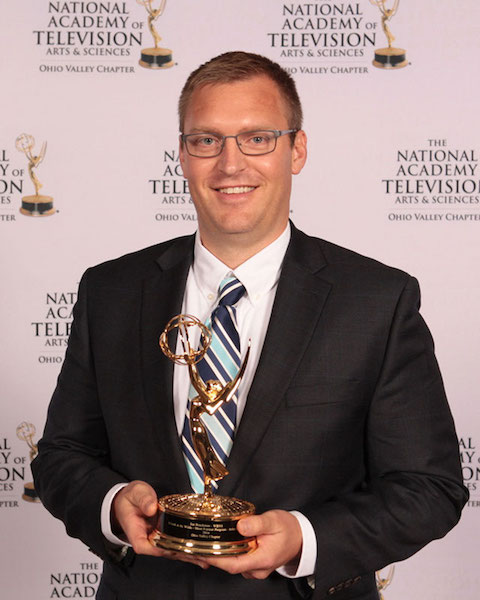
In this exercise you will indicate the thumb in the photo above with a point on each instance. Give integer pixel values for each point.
(145, 498)
(253, 525)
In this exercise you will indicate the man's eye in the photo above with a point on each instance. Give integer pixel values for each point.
(206, 141)
(259, 138)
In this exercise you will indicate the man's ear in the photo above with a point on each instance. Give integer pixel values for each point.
(299, 152)
(181, 154)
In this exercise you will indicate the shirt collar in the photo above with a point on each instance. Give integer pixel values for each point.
(258, 274)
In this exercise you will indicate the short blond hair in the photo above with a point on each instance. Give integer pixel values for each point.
(238, 66)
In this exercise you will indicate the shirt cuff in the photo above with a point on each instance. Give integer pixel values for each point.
(308, 557)
(105, 521)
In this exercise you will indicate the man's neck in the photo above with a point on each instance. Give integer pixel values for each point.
(235, 249)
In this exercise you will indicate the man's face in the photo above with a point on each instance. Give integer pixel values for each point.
(247, 197)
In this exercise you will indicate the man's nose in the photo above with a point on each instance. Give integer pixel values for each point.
(231, 160)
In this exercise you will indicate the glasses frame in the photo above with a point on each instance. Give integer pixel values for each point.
(276, 133)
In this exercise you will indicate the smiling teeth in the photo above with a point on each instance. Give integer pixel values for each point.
(236, 190)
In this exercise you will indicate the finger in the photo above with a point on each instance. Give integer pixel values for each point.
(236, 564)
(181, 556)
(137, 531)
(190, 559)
(258, 574)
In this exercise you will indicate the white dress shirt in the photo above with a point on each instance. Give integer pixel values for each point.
(259, 275)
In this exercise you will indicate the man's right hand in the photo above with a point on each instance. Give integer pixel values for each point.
(133, 515)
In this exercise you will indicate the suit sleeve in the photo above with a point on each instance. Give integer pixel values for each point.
(71, 472)
(413, 491)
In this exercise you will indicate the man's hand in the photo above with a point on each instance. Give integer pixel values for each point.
(279, 539)
(278, 533)
(133, 516)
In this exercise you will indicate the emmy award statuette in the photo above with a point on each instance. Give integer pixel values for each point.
(155, 58)
(384, 582)
(202, 524)
(37, 205)
(388, 58)
(25, 432)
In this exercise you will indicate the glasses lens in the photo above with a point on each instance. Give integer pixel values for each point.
(257, 142)
(203, 144)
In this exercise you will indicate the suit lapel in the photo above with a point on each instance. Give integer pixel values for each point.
(300, 297)
(162, 297)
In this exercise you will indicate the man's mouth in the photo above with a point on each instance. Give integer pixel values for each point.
(239, 189)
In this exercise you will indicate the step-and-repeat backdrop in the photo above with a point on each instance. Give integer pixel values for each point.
(89, 170)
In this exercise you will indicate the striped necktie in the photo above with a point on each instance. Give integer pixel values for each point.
(221, 362)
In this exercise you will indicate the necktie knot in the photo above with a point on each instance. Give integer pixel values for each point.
(230, 290)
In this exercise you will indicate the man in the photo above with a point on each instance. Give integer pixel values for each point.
(345, 442)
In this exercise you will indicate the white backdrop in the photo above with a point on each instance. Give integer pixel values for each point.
(392, 173)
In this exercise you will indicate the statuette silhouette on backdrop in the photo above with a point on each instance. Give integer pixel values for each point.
(201, 523)
(37, 205)
(156, 57)
(384, 582)
(25, 432)
(390, 57)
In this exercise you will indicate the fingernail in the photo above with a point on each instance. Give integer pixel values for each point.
(243, 528)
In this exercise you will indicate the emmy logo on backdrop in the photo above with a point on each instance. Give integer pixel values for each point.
(37, 205)
(25, 432)
(389, 58)
(155, 58)
(384, 582)
(201, 523)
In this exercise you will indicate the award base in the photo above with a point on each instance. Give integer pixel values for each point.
(156, 58)
(390, 58)
(202, 525)
(37, 206)
(29, 493)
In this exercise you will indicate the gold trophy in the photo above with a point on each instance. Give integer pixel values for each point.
(25, 432)
(384, 582)
(203, 524)
(37, 205)
(388, 58)
(155, 58)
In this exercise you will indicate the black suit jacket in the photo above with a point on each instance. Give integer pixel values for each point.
(346, 420)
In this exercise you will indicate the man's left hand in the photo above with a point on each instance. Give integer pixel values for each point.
(279, 539)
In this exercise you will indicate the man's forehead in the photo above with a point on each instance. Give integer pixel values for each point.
(252, 81)
(241, 90)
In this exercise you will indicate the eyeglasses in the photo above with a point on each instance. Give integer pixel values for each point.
(251, 143)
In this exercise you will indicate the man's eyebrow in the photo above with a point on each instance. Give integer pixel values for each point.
(242, 130)
(205, 130)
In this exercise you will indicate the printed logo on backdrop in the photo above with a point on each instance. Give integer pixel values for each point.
(88, 37)
(170, 194)
(470, 458)
(11, 185)
(36, 205)
(15, 472)
(80, 583)
(434, 182)
(14, 181)
(384, 581)
(156, 57)
(26, 432)
(389, 57)
(52, 329)
(324, 37)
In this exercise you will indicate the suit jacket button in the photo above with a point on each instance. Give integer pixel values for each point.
(331, 591)
(348, 583)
